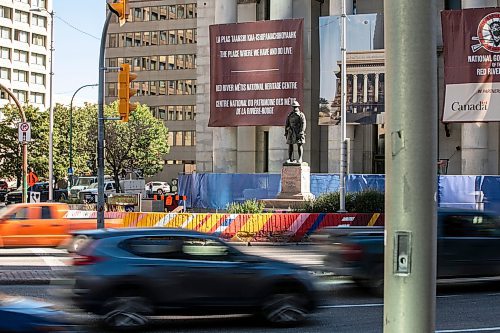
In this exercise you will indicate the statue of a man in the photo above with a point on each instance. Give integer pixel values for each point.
(295, 132)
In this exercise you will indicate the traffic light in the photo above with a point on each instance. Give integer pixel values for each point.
(120, 9)
(125, 92)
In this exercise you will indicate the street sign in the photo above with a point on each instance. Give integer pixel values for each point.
(32, 178)
(34, 197)
(70, 171)
(24, 132)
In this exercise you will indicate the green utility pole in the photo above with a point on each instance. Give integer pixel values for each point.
(410, 164)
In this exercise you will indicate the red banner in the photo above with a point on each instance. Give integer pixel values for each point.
(471, 64)
(257, 72)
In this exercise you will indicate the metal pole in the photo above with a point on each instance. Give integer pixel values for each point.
(51, 111)
(25, 144)
(71, 132)
(410, 162)
(100, 127)
(343, 111)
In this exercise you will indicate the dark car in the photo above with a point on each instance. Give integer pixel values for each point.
(42, 188)
(125, 275)
(467, 248)
(20, 314)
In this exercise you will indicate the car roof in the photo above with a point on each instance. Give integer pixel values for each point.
(154, 231)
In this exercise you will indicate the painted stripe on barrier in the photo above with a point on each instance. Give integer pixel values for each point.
(190, 222)
(211, 223)
(226, 223)
(256, 224)
(298, 222)
(374, 218)
(164, 220)
(316, 223)
(238, 223)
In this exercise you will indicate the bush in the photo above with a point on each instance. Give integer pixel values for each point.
(246, 207)
(367, 201)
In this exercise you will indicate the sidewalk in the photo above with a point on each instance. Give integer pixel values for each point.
(33, 277)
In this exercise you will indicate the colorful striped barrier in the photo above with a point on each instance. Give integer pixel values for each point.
(279, 227)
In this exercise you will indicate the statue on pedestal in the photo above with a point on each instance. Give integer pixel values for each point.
(295, 133)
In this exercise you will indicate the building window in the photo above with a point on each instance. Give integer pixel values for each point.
(37, 39)
(21, 95)
(20, 76)
(137, 14)
(172, 37)
(5, 33)
(21, 56)
(38, 78)
(38, 3)
(21, 16)
(39, 21)
(181, 11)
(6, 12)
(21, 36)
(188, 138)
(37, 59)
(172, 12)
(179, 138)
(170, 139)
(111, 90)
(24, 1)
(113, 40)
(4, 53)
(4, 73)
(37, 98)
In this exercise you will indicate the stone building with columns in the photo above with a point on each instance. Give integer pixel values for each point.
(468, 148)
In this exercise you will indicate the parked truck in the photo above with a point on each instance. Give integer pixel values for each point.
(467, 247)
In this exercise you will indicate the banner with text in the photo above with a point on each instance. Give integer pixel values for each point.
(257, 71)
(471, 65)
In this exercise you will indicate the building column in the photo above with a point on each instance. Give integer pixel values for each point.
(475, 135)
(375, 98)
(225, 138)
(278, 150)
(365, 88)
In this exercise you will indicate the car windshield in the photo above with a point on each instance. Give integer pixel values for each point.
(93, 185)
(84, 181)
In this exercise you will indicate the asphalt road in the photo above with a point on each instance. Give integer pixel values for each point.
(347, 310)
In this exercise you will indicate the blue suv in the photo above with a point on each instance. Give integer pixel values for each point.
(128, 275)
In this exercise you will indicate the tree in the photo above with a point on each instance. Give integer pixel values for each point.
(139, 144)
(10, 149)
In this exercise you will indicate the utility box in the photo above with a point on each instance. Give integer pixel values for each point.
(149, 205)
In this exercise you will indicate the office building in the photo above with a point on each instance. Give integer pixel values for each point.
(25, 50)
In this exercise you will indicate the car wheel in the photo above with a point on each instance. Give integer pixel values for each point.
(285, 309)
(77, 243)
(126, 312)
(160, 191)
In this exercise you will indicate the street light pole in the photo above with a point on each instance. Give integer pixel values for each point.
(70, 171)
(51, 108)
(343, 113)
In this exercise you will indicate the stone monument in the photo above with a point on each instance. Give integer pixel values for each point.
(295, 174)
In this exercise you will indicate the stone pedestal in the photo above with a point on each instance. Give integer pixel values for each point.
(296, 182)
(295, 187)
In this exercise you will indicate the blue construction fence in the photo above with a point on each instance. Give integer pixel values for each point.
(217, 190)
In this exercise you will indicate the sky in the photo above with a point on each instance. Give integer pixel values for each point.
(360, 35)
(76, 54)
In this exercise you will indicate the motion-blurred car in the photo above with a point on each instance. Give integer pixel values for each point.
(127, 275)
(20, 314)
(44, 224)
(158, 187)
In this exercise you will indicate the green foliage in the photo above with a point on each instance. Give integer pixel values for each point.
(367, 201)
(247, 207)
(10, 149)
(139, 144)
